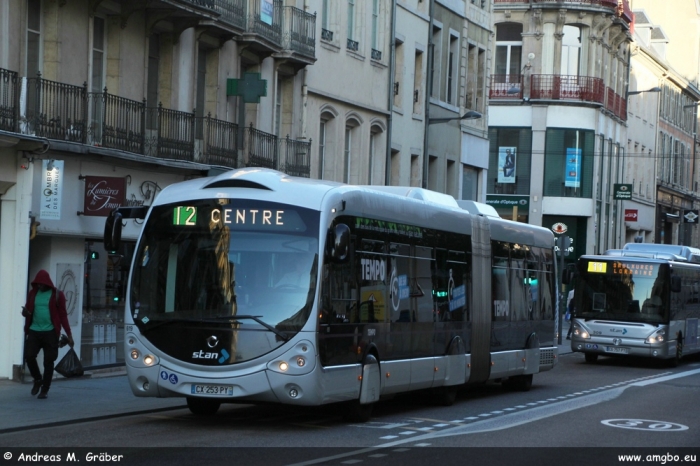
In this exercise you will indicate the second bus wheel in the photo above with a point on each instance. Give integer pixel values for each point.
(203, 406)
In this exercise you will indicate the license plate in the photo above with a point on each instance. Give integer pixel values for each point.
(616, 349)
(214, 390)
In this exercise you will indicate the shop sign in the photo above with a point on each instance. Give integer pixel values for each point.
(559, 228)
(507, 201)
(51, 189)
(690, 216)
(103, 194)
(622, 191)
(631, 215)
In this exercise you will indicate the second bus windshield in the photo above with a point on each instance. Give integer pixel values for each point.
(622, 290)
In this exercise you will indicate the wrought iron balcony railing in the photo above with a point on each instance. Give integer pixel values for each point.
(9, 97)
(376, 54)
(558, 87)
(353, 45)
(232, 11)
(66, 112)
(326, 35)
(299, 31)
(267, 24)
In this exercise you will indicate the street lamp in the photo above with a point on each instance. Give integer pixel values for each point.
(470, 115)
(653, 89)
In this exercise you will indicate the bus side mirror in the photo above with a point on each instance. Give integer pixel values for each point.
(113, 231)
(675, 283)
(339, 242)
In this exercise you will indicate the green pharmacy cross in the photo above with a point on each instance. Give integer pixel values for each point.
(250, 88)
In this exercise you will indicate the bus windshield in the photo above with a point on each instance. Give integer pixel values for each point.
(622, 290)
(244, 264)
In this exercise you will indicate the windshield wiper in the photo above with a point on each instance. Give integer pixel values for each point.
(257, 319)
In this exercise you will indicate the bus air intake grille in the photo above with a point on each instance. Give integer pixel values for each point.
(546, 356)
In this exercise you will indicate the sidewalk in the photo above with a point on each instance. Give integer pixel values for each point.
(98, 395)
(94, 396)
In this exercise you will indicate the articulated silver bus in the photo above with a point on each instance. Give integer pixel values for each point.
(253, 286)
(636, 303)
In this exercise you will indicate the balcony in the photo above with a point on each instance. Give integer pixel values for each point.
(563, 87)
(288, 155)
(9, 97)
(228, 18)
(552, 87)
(298, 37)
(66, 112)
(263, 32)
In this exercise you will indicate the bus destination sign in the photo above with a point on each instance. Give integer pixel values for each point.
(623, 268)
(242, 218)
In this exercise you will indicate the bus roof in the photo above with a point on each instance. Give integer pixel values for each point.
(384, 202)
(674, 252)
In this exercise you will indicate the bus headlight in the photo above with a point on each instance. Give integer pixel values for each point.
(134, 354)
(581, 332)
(657, 337)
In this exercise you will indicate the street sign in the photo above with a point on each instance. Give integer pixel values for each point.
(622, 191)
(631, 215)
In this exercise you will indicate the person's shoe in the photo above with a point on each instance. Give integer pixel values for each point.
(43, 395)
(36, 387)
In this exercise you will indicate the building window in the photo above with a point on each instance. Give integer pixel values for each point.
(321, 148)
(452, 70)
(399, 75)
(97, 82)
(351, 20)
(33, 38)
(510, 154)
(200, 92)
(418, 95)
(568, 165)
(509, 47)
(435, 62)
(375, 25)
(104, 295)
(470, 183)
(571, 51)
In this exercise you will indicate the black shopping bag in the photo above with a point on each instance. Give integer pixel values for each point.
(70, 365)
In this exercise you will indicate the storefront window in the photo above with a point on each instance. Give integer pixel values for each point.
(104, 292)
(510, 154)
(568, 166)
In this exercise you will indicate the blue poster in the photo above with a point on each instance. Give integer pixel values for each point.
(572, 177)
(266, 11)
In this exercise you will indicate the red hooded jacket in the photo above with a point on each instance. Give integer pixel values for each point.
(57, 305)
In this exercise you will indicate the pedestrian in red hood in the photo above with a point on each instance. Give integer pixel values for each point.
(44, 315)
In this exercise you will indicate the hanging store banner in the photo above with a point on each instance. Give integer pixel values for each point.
(572, 177)
(266, 11)
(103, 194)
(51, 189)
(691, 216)
(506, 164)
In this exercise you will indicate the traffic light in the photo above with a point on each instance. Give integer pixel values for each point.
(94, 255)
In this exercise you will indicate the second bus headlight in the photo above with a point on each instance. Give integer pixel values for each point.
(657, 337)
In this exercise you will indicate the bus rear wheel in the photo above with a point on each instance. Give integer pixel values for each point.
(202, 406)
(591, 357)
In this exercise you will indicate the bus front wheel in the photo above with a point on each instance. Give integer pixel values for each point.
(202, 406)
